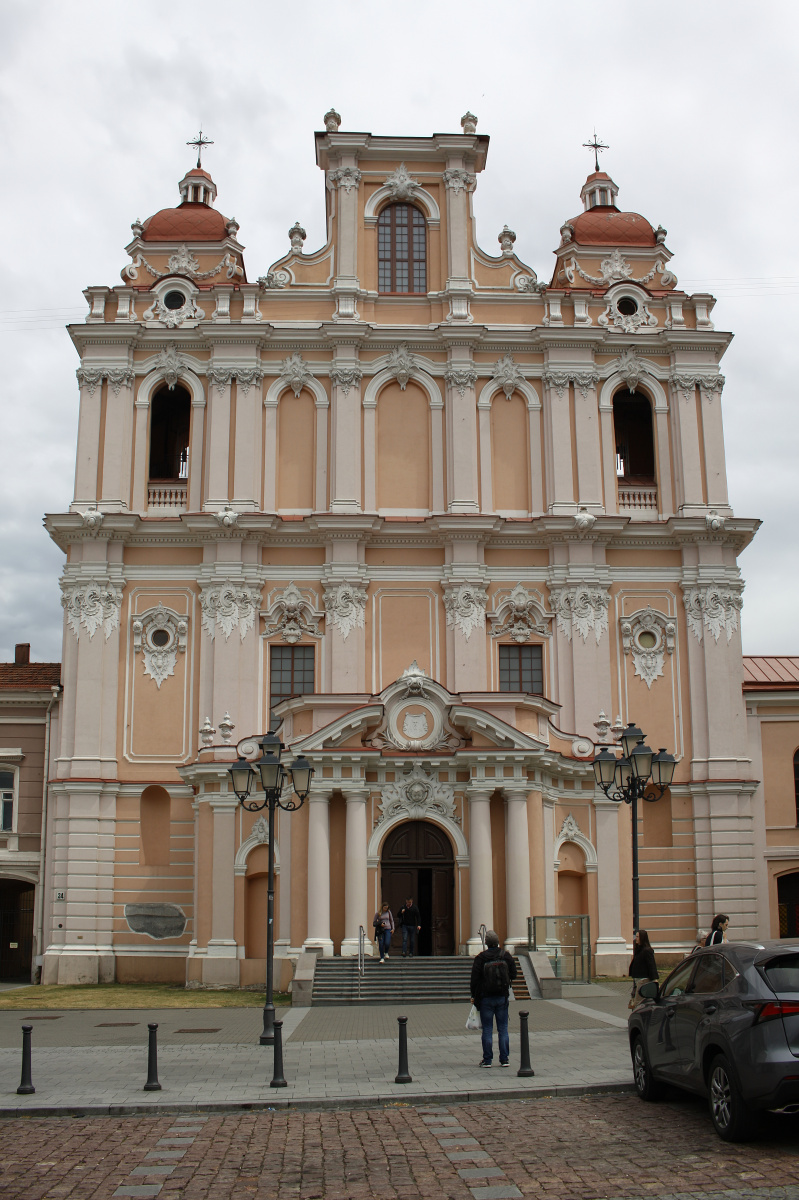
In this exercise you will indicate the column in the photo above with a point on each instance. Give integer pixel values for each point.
(588, 439)
(194, 498)
(548, 816)
(345, 285)
(481, 865)
(557, 444)
(611, 954)
(517, 869)
(118, 448)
(247, 457)
(345, 432)
(690, 498)
(461, 428)
(218, 439)
(91, 392)
(355, 884)
(713, 435)
(318, 935)
(221, 965)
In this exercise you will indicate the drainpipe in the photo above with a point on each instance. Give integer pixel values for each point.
(55, 693)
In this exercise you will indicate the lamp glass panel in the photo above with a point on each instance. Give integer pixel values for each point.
(301, 772)
(604, 768)
(641, 761)
(243, 776)
(630, 738)
(663, 765)
(623, 772)
(270, 771)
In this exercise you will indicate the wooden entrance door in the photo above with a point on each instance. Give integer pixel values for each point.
(417, 861)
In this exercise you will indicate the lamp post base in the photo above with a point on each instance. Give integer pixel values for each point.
(267, 1037)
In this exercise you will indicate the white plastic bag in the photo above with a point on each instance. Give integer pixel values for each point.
(473, 1021)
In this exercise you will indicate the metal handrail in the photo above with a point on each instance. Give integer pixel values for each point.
(361, 956)
(482, 934)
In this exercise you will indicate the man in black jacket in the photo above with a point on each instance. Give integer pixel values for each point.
(410, 920)
(493, 972)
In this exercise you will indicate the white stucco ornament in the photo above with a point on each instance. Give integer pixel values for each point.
(346, 377)
(345, 605)
(415, 726)
(159, 635)
(465, 606)
(469, 123)
(713, 606)
(401, 364)
(173, 318)
(344, 177)
(228, 606)
(91, 603)
(506, 238)
(648, 635)
(401, 185)
(293, 613)
(457, 180)
(616, 269)
(170, 365)
(519, 613)
(507, 374)
(581, 609)
(296, 372)
(460, 377)
(416, 796)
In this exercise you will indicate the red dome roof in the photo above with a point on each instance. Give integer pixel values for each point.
(604, 225)
(186, 223)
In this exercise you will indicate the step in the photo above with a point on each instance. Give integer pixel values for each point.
(429, 980)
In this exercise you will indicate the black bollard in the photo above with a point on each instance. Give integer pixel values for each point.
(277, 1075)
(152, 1084)
(525, 1069)
(402, 1075)
(26, 1087)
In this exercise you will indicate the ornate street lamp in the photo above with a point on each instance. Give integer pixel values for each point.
(269, 772)
(637, 774)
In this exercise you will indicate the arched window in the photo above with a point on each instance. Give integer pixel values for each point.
(635, 447)
(170, 423)
(401, 249)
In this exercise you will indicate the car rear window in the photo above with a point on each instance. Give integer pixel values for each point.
(782, 974)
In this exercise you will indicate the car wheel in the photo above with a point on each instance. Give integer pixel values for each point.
(646, 1085)
(731, 1118)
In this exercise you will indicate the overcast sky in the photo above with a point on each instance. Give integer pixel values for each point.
(698, 103)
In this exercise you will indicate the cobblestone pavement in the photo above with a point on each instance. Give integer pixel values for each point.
(607, 1147)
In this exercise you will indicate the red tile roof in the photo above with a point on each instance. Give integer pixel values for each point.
(29, 676)
(604, 225)
(186, 223)
(769, 671)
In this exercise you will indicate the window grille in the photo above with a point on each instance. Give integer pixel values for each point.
(401, 249)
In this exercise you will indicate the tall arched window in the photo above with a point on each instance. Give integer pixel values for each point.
(401, 249)
(635, 447)
(170, 423)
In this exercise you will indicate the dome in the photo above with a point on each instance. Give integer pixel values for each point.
(604, 225)
(186, 223)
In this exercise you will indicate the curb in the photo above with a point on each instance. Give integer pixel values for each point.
(305, 1104)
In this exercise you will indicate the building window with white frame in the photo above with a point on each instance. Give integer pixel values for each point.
(401, 250)
(291, 673)
(7, 800)
(521, 669)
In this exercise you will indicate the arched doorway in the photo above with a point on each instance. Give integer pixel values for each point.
(16, 929)
(417, 861)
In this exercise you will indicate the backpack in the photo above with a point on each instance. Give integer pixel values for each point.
(496, 976)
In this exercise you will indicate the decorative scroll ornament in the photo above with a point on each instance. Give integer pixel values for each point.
(183, 262)
(174, 317)
(247, 376)
(458, 180)
(519, 614)
(713, 606)
(616, 269)
(159, 635)
(569, 830)
(91, 603)
(92, 520)
(297, 236)
(274, 279)
(649, 636)
(584, 520)
(633, 322)
(580, 609)
(346, 377)
(529, 283)
(260, 831)
(119, 377)
(414, 678)
(584, 381)
(227, 517)
(228, 605)
(714, 521)
(345, 177)
(630, 367)
(401, 364)
(465, 606)
(460, 377)
(293, 613)
(416, 796)
(507, 374)
(401, 185)
(559, 380)
(506, 239)
(170, 365)
(296, 372)
(687, 384)
(345, 605)
(92, 377)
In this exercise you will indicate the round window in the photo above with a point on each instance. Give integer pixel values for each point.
(647, 639)
(626, 306)
(174, 300)
(159, 637)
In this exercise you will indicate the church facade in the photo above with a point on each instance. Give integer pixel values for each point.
(438, 521)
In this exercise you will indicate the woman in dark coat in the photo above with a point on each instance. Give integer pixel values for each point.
(642, 964)
(718, 930)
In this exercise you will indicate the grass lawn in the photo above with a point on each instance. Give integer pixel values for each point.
(132, 995)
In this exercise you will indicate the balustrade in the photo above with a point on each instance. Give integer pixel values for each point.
(169, 494)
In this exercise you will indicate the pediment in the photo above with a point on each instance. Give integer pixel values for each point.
(477, 721)
(351, 726)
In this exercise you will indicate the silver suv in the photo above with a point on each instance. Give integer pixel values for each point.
(724, 1024)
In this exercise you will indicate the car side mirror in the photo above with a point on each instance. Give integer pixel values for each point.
(649, 991)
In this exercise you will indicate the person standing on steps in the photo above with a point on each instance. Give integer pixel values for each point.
(384, 927)
(493, 972)
(410, 920)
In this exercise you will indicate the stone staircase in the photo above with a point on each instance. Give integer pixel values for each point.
(439, 980)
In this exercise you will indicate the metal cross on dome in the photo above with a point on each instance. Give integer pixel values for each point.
(596, 146)
(200, 142)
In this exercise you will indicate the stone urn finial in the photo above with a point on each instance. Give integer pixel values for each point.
(506, 239)
(332, 120)
(207, 732)
(469, 123)
(297, 236)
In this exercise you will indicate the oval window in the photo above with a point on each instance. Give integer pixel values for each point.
(627, 306)
(159, 637)
(174, 300)
(647, 639)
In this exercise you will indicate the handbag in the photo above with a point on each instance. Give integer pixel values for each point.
(473, 1022)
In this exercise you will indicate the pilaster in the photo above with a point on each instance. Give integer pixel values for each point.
(318, 936)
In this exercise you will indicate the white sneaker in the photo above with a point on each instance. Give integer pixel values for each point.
(386, 956)
(382, 960)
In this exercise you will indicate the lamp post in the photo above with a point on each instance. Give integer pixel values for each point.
(629, 776)
(272, 775)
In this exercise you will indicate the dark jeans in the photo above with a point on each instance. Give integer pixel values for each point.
(408, 936)
(490, 1007)
(383, 941)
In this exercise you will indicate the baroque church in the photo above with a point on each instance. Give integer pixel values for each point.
(442, 523)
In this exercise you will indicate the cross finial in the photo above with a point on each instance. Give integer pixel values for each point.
(596, 146)
(200, 142)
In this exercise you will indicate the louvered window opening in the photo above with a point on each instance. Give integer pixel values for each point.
(402, 249)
